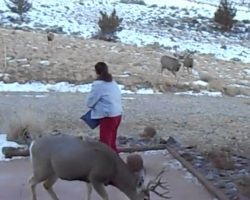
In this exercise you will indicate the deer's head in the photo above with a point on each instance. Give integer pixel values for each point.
(143, 189)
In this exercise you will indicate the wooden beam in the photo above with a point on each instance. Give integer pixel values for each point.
(207, 184)
(142, 148)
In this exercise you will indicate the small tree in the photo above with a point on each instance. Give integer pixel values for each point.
(19, 6)
(225, 14)
(108, 24)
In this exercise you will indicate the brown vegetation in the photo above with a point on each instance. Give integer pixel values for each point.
(108, 25)
(225, 14)
(24, 125)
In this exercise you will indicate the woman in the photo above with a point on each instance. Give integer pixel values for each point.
(104, 101)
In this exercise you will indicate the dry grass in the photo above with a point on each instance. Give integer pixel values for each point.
(25, 125)
(72, 59)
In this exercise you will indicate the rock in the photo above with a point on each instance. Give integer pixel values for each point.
(122, 140)
(241, 197)
(243, 185)
(216, 85)
(55, 29)
(224, 47)
(149, 132)
(6, 78)
(44, 62)
(221, 160)
(231, 90)
(187, 156)
(245, 91)
(205, 76)
(172, 142)
(22, 61)
(210, 176)
(236, 59)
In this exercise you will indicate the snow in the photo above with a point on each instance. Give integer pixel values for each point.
(247, 71)
(79, 17)
(201, 93)
(5, 143)
(199, 82)
(67, 87)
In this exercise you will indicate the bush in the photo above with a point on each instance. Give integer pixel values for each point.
(225, 14)
(19, 6)
(108, 25)
(140, 2)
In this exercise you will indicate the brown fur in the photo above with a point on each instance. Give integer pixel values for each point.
(70, 158)
(135, 162)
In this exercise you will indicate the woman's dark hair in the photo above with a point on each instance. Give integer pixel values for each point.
(101, 70)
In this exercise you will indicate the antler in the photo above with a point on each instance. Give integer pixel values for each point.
(158, 183)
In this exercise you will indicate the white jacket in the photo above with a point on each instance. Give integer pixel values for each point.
(104, 99)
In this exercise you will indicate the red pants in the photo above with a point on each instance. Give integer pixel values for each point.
(108, 131)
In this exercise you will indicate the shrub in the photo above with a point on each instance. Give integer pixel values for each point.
(225, 14)
(108, 26)
(19, 6)
(140, 2)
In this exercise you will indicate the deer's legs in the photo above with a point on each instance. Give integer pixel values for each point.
(89, 190)
(100, 189)
(48, 186)
(33, 182)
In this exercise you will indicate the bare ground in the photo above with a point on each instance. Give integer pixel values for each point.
(180, 183)
(207, 122)
(203, 121)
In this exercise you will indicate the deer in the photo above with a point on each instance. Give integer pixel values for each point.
(170, 63)
(71, 158)
(186, 58)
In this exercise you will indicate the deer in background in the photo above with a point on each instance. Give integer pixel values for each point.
(186, 58)
(50, 38)
(170, 63)
(71, 158)
(174, 62)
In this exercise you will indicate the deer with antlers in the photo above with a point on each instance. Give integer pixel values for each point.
(71, 158)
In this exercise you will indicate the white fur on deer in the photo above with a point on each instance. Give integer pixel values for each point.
(71, 158)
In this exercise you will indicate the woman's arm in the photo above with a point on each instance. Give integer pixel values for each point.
(94, 95)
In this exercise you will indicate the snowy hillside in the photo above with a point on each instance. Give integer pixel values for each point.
(172, 24)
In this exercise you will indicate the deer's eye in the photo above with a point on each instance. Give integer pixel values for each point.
(140, 181)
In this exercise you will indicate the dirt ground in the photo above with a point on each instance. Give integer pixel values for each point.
(181, 184)
(207, 122)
